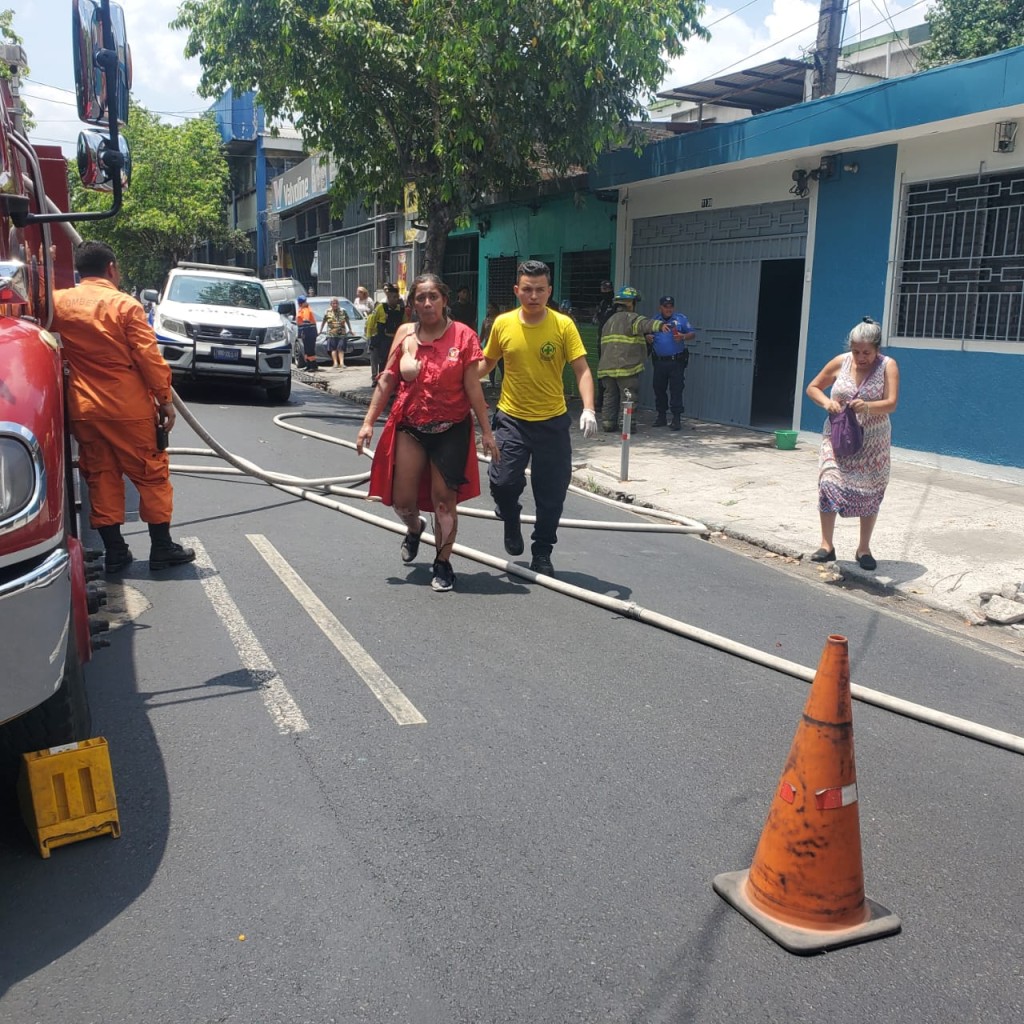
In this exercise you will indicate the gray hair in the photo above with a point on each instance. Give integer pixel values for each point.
(867, 331)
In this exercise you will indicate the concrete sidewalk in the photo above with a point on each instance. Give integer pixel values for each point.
(948, 532)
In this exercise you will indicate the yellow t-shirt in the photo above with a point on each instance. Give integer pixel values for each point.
(535, 355)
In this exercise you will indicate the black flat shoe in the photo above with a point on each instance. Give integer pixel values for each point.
(824, 555)
(867, 563)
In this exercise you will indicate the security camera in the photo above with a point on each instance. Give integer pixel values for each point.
(1004, 145)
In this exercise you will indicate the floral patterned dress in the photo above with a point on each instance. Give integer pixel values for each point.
(855, 485)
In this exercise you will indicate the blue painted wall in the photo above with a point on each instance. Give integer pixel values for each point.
(851, 252)
(951, 402)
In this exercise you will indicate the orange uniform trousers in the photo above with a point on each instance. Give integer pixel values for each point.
(109, 451)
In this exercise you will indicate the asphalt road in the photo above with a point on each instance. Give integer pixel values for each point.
(540, 847)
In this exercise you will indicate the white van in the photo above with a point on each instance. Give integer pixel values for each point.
(283, 289)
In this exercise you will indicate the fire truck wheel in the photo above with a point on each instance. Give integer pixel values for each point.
(61, 718)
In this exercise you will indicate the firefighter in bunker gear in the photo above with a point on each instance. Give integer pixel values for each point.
(119, 392)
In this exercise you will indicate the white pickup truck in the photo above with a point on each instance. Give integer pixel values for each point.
(218, 323)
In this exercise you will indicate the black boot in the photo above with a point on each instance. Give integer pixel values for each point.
(660, 420)
(163, 552)
(116, 553)
(676, 423)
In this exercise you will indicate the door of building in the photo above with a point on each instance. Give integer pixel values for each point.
(777, 344)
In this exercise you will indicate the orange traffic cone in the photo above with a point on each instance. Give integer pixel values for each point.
(805, 887)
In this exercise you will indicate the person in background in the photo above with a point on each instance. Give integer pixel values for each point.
(623, 354)
(362, 301)
(531, 423)
(306, 319)
(669, 358)
(854, 485)
(119, 396)
(381, 327)
(464, 309)
(605, 305)
(426, 458)
(485, 333)
(338, 329)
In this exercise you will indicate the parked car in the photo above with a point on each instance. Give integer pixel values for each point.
(217, 322)
(356, 340)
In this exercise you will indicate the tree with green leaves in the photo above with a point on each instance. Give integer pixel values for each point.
(961, 29)
(462, 99)
(176, 200)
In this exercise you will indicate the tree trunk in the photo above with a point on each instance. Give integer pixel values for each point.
(440, 220)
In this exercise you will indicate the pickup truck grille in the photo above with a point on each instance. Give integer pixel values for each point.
(228, 335)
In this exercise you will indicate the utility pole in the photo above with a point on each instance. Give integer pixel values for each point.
(826, 53)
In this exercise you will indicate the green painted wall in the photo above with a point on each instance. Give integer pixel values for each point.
(559, 225)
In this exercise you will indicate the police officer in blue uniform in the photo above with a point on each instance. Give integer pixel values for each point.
(669, 357)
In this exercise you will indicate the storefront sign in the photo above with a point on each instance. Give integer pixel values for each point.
(308, 180)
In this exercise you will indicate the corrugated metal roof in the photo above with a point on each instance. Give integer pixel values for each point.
(779, 83)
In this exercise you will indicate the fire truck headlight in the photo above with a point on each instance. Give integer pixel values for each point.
(18, 480)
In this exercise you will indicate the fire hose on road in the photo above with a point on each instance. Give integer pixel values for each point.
(324, 491)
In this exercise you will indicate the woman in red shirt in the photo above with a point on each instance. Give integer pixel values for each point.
(426, 458)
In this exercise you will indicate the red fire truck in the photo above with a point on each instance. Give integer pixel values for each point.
(49, 590)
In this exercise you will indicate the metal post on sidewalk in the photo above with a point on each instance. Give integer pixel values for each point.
(627, 424)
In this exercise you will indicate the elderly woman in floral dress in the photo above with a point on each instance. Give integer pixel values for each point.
(854, 485)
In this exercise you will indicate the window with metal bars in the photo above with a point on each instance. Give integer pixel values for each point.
(582, 274)
(501, 279)
(961, 260)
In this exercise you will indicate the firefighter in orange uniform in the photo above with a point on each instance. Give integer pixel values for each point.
(119, 394)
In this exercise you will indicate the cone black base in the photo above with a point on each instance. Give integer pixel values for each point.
(732, 887)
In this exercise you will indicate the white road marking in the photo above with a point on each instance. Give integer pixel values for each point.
(401, 709)
(283, 710)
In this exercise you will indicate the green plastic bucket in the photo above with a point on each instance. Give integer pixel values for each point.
(785, 439)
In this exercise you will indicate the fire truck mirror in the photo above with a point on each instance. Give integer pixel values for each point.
(98, 163)
(103, 77)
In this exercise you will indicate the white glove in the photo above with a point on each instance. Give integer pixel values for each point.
(588, 423)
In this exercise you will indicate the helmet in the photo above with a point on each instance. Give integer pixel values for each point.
(627, 293)
(302, 298)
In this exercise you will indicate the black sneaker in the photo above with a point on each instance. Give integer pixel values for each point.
(411, 543)
(541, 565)
(513, 535)
(117, 558)
(444, 577)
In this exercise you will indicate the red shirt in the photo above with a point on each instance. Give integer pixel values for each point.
(438, 394)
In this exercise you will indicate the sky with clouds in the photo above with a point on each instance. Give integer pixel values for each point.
(744, 33)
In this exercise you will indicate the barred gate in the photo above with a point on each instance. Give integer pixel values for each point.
(710, 262)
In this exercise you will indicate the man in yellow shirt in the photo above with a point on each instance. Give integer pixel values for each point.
(531, 423)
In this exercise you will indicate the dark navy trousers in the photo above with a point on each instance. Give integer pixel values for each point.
(669, 381)
(545, 445)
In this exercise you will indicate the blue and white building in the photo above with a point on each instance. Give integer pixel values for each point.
(902, 200)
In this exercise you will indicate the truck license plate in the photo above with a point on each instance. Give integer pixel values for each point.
(226, 355)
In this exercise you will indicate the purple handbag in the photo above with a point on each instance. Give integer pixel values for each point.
(847, 433)
(844, 427)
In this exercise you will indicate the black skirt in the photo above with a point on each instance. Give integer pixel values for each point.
(447, 449)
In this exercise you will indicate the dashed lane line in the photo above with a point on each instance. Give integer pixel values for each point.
(401, 709)
(283, 710)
